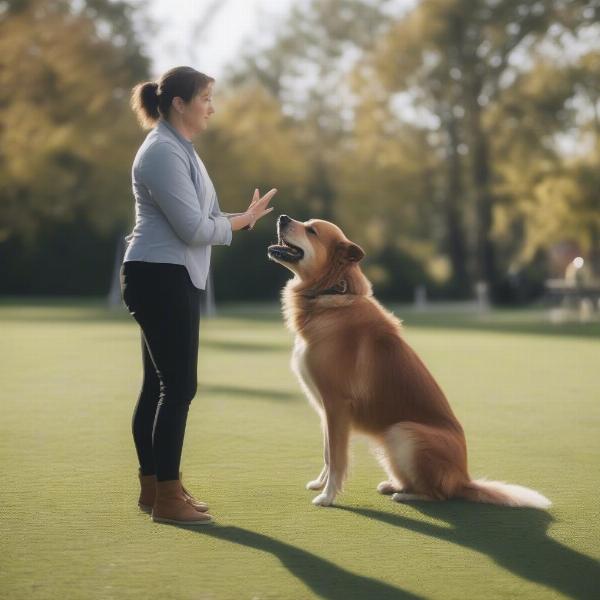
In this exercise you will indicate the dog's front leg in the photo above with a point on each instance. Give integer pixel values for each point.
(319, 482)
(338, 433)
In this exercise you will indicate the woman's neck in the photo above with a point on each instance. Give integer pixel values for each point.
(179, 125)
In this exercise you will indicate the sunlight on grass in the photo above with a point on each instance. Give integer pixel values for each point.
(70, 374)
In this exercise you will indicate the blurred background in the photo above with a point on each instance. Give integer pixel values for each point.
(457, 141)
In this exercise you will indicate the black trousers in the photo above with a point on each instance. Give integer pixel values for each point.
(166, 305)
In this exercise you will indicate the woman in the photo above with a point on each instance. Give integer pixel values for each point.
(165, 268)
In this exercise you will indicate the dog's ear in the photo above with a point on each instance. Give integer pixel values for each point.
(352, 252)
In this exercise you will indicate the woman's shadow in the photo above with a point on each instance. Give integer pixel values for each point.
(324, 578)
(516, 538)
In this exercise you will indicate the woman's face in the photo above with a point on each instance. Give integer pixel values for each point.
(198, 110)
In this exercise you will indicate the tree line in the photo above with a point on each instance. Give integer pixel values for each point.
(457, 141)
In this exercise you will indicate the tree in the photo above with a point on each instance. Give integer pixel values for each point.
(65, 127)
(307, 69)
(462, 55)
(67, 140)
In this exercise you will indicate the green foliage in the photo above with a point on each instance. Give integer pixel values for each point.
(67, 137)
(456, 141)
(68, 258)
(488, 73)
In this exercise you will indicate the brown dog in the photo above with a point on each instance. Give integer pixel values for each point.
(360, 374)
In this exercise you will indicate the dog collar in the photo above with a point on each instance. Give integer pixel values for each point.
(340, 288)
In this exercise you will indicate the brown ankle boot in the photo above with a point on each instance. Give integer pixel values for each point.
(197, 504)
(147, 492)
(171, 506)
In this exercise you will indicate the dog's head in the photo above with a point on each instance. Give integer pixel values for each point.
(313, 248)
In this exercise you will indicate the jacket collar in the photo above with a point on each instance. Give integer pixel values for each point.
(165, 126)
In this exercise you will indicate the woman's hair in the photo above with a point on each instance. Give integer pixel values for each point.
(152, 99)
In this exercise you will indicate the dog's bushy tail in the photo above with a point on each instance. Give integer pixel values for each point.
(504, 494)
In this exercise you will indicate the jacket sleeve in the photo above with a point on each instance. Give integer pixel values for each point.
(167, 176)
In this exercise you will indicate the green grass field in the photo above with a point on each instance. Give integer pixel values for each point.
(527, 393)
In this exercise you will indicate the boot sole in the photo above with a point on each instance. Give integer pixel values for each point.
(175, 522)
(148, 509)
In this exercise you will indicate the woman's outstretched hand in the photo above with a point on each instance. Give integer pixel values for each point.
(259, 207)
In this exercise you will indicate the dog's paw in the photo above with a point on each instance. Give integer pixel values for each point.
(406, 497)
(387, 488)
(323, 500)
(315, 484)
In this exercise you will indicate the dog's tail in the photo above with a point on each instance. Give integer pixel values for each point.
(505, 494)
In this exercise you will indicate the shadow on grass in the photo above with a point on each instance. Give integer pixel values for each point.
(515, 538)
(324, 578)
(250, 393)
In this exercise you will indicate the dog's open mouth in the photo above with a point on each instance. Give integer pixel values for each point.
(283, 250)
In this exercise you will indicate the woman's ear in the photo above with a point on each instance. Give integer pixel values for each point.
(352, 252)
(178, 104)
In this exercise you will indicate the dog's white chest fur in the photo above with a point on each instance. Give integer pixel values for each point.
(300, 367)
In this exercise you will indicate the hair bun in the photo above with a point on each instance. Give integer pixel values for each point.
(152, 85)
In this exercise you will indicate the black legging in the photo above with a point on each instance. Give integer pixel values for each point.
(165, 303)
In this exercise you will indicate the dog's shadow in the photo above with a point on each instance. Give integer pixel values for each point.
(324, 578)
(516, 538)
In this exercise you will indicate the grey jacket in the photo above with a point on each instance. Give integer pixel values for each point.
(177, 214)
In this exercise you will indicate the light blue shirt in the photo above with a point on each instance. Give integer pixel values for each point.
(177, 214)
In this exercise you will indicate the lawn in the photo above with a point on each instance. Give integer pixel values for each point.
(527, 393)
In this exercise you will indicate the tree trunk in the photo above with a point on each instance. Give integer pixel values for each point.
(480, 169)
(595, 250)
(455, 237)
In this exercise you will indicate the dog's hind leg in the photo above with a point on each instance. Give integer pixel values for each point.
(338, 435)
(393, 483)
(388, 486)
(397, 456)
(321, 480)
(432, 458)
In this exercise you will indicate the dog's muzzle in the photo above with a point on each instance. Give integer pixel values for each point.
(284, 250)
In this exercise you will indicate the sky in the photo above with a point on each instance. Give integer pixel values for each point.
(231, 27)
(233, 24)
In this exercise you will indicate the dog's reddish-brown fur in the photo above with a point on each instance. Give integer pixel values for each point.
(362, 375)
